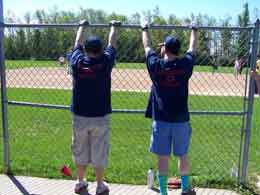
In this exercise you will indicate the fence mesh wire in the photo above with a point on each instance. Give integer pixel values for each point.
(40, 138)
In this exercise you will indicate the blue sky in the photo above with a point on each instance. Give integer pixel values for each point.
(181, 8)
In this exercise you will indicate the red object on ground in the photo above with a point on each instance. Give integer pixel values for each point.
(174, 183)
(65, 170)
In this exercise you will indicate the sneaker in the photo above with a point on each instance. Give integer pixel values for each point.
(102, 190)
(80, 187)
(189, 192)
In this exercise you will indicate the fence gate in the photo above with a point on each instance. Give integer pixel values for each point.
(36, 93)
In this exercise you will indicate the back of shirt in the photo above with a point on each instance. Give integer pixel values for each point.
(92, 82)
(169, 94)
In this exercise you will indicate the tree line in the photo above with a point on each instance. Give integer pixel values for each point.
(221, 47)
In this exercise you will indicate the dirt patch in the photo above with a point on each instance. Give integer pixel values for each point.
(201, 83)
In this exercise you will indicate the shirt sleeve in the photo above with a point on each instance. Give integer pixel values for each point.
(189, 58)
(152, 60)
(110, 53)
(77, 56)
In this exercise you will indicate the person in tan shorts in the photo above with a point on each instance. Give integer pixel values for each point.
(91, 66)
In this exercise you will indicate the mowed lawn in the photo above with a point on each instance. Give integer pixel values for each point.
(40, 138)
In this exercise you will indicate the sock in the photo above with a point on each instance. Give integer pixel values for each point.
(163, 179)
(185, 183)
(102, 184)
(81, 180)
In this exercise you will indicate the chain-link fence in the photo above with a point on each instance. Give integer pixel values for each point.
(38, 93)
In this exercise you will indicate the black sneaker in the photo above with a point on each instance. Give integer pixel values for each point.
(102, 190)
(81, 187)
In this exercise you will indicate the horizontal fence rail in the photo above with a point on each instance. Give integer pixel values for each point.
(134, 111)
(39, 88)
(129, 26)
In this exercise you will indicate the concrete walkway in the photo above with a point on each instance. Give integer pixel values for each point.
(20, 185)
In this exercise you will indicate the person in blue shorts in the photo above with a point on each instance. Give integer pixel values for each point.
(168, 104)
(91, 104)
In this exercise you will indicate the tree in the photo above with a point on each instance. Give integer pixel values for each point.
(224, 50)
(158, 35)
(40, 16)
(182, 35)
(21, 45)
(28, 34)
(49, 43)
(36, 44)
(204, 39)
(226, 36)
(93, 16)
(242, 50)
(9, 47)
(135, 18)
(10, 34)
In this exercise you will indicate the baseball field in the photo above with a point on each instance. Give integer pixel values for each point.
(40, 138)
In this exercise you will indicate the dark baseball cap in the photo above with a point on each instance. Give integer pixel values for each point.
(172, 44)
(93, 44)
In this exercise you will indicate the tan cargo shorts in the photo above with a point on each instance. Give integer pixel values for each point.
(90, 140)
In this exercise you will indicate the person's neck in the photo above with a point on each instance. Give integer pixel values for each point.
(170, 57)
(94, 56)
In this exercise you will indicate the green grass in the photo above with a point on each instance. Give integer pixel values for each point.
(40, 138)
(125, 100)
(197, 68)
(221, 69)
(131, 65)
(13, 64)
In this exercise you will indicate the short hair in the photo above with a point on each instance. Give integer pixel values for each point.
(93, 45)
(172, 45)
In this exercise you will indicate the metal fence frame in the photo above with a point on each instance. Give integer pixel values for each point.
(247, 130)
(247, 113)
(4, 102)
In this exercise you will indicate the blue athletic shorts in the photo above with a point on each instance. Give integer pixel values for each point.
(167, 137)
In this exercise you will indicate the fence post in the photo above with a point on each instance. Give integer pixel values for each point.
(250, 105)
(4, 95)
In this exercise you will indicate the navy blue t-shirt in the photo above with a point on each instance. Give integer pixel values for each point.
(91, 94)
(168, 100)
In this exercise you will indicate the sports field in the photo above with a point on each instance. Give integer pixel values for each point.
(14, 64)
(40, 138)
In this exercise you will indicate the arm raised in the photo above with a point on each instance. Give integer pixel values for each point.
(193, 38)
(146, 38)
(79, 36)
(113, 33)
